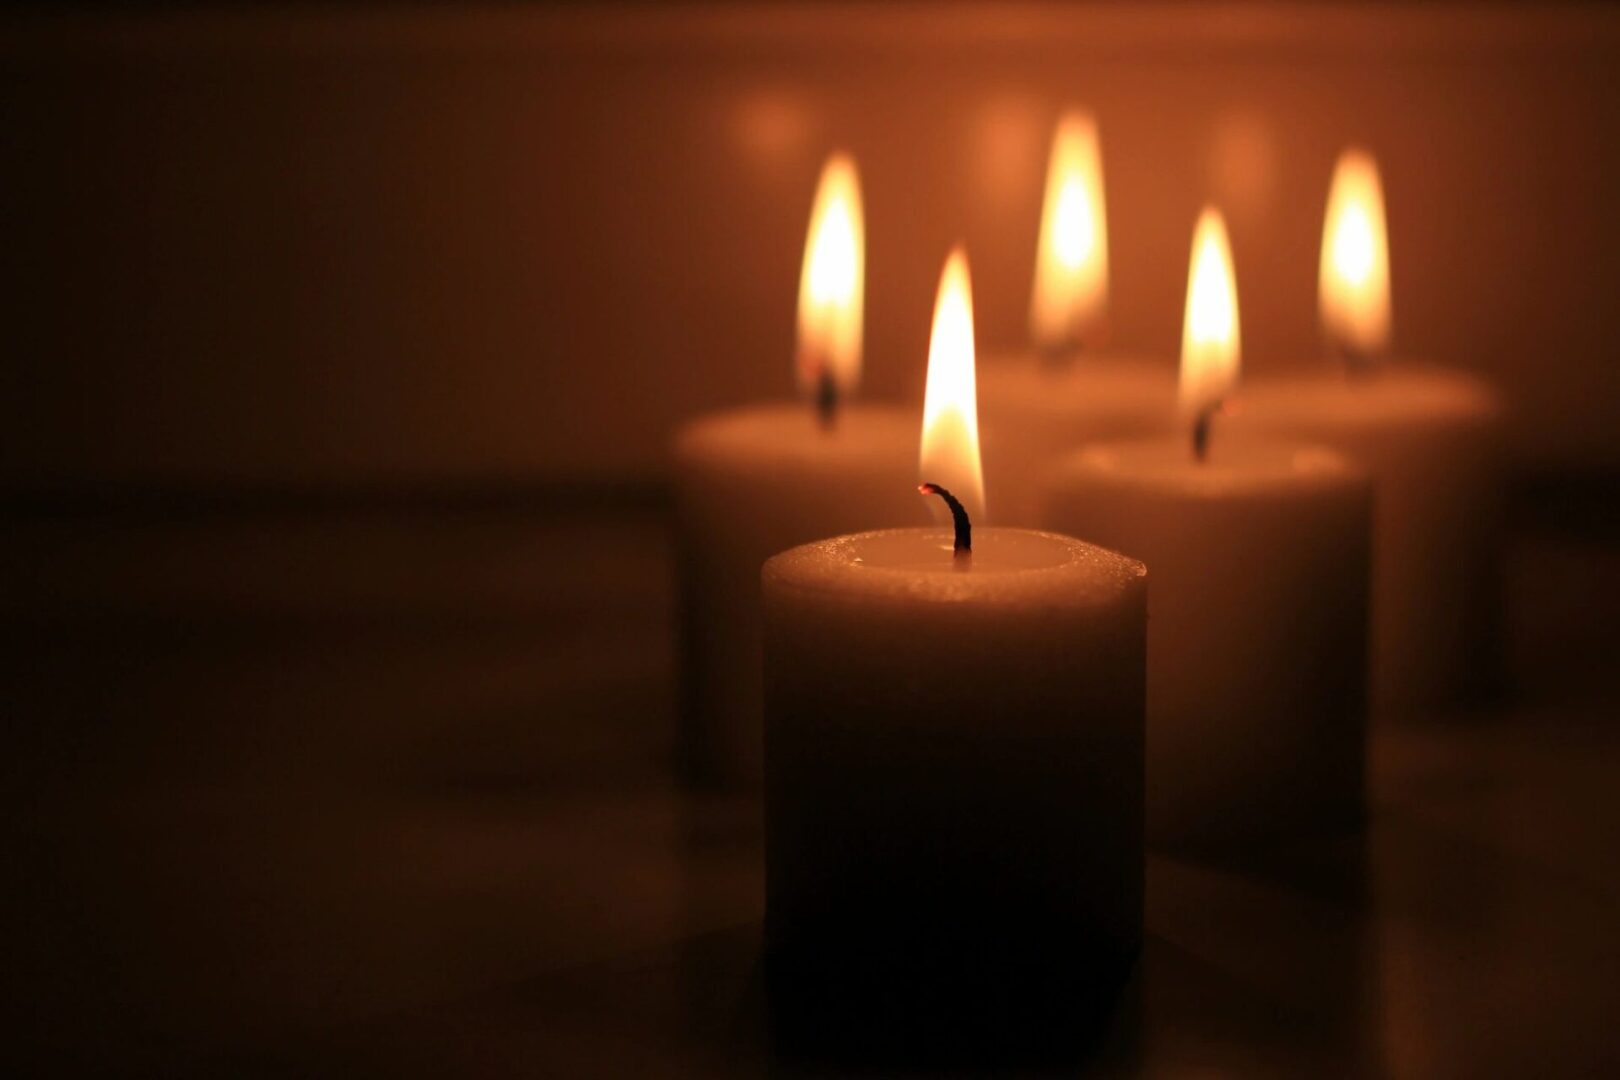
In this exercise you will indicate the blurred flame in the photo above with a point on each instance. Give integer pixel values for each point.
(832, 284)
(1354, 282)
(1210, 338)
(1070, 302)
(950, 434)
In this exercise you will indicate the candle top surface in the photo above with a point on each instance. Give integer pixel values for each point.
(1085, 382)
(1005, 566)
(1386, 392)
(777, 434)
(1234, 467)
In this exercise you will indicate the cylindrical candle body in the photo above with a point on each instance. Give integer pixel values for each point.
(751, 483)
(953, 760)
(1257, 628)
(1431, 440)
(1032, 413)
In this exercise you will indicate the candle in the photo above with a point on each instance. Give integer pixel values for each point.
(1066, 391)
(954, 739)
(754, 481)
(1431, 439)
(1258, 614)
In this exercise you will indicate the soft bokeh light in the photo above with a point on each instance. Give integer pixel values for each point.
(1211, 342)
(950, 435)
(832, 285)
(1354, 281)
(1069, 305)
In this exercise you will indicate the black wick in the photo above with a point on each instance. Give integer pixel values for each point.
(1357, 362)
(1059, 357)
(1201, 425)
(959, 518)
(826, 399)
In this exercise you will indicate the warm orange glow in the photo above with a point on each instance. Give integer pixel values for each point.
(1211, 344)
(1354, 282)
(950, 434)
(833, 283)
(1069, 306)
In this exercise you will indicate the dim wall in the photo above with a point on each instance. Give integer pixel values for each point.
(445, 246)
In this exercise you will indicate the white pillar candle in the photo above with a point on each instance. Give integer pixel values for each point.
(954, 753)
(1036, 412)
(1432, 441)
(1258, 615)
(1066, 391)
(953, 739)
(752, 482)
(1257, 627)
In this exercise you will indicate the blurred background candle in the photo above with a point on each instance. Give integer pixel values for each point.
(954, 742)
(1432, 439)
(1257, 629)
(1066, 391)
(755, 481)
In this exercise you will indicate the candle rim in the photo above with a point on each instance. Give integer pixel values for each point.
(1254, 468)
(1387, 393)
(792, 432)
(1088, 576)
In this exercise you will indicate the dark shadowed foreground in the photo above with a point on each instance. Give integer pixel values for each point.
(382, 788)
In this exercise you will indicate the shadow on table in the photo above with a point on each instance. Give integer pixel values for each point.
(700, 1008)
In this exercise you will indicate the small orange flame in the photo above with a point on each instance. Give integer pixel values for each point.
(1354, 282)
(950, 434)
(1069, 306)
(832, 284)
(1210, 338)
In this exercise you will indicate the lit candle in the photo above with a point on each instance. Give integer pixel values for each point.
(755, 481)
(1066, 391)
(953, 736)
(1430, 438)
(1258, 613)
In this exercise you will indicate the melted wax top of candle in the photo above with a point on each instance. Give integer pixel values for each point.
(1386, 392)
(784, 435)
(1234, 466)
(995, 551)
(1006, 565)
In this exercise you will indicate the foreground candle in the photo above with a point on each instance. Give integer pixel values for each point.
(1067, 391)
(954, 739)
(752, 482)
(1258, 614)
(1431, 440)
(954, 753)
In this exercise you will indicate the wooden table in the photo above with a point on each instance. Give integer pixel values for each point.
(347, 788)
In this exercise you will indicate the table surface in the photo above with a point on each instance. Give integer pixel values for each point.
(384, 789)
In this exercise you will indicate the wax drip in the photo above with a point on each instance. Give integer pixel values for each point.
(959, 518)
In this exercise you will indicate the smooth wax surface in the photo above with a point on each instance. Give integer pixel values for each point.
(1033, 413)
(953, 756)
(1432, 440)
(750, 483)
(1257, 628)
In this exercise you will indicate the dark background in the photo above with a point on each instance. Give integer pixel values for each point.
(441, 245)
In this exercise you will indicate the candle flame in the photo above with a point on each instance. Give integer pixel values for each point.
(1354, 282)
(950, 434)
(1210, 339)
(1069, 306)
(832, 284)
